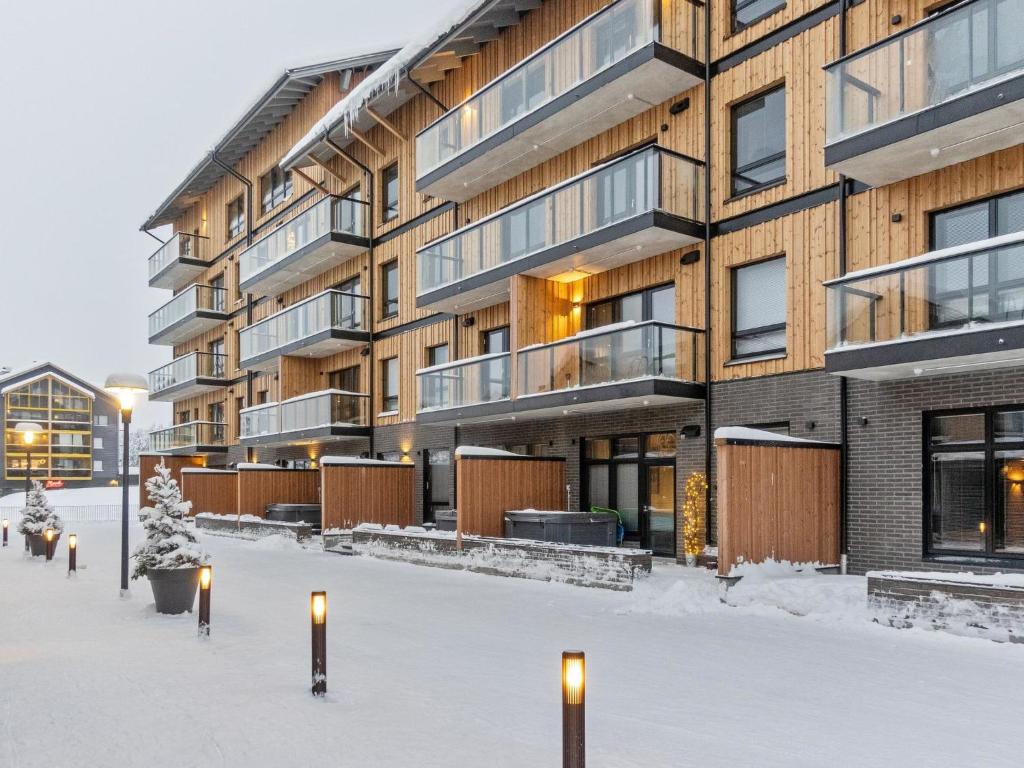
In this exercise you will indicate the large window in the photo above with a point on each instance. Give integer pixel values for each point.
(759, 309)
(389, 384)
(747, 12)
(236, 217)
(64, 449)
(389, 284)
(651, 304)
(974, 483)
(389, 193)
(759, 141)
(275, 187)
(345, 379)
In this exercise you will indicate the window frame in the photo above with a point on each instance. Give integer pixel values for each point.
(386, 300)
(647, 302)
(737, 5)
(236, 220)
(276, 187)
(387, 398)
(733, 334)
(734, 169)
(388, 212)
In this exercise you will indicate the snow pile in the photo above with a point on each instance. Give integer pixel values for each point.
(799, 589)
(357, 461)
(38, 514)
(761, 436)
(1012, 580)
(476, 450)
(169, 543)
(233, 518)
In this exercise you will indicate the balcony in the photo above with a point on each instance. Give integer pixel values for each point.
(469, 390)
(318, 416)
(610, 67)
(637, 206)
(610, 369)
(951, 311)
(190, 438)
(946, 90)
(196, 309)
(323, 236)
(178, 262)
(188, 376)
(321, 326)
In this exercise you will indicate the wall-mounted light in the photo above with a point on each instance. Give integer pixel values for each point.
(680, 106)
(49, 537)
(689, 258)
(690, 431)
(468, 322)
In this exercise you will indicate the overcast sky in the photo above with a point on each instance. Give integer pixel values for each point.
(106, 106)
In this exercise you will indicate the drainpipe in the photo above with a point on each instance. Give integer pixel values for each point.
(844, 421)
(710, 536)
(371, 271)
(248, 297)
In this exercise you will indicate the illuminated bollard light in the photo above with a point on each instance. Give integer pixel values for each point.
(72, 553)
(205, 580)
(48, 535)
(6, 524)
(318, 614)
(574, 689)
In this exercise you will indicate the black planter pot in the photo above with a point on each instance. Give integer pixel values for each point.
(37, 543)
(174, 589)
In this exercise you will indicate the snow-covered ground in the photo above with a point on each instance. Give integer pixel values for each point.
(428, 667)
(105, 495)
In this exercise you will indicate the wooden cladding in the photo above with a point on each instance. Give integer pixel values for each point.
(777, 502)
(487, 488)
(361, 493)
(215, 492)
(147, 469)
(259, 487)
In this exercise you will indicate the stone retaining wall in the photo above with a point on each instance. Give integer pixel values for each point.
(250, 526)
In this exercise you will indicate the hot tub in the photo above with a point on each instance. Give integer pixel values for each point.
(588, 528)
(445, 519)
(296, 513)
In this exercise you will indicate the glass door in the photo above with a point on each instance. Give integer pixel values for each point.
(436, 476)
(658, 532)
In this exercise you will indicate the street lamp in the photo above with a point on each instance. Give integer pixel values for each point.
(125, 386)
(28, 430)
(48, 535)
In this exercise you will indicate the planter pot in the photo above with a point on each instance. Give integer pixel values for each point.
(174, 589)
(37, 543)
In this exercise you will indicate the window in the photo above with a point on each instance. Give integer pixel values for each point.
(974, 471)
(236, 217)
(215, 413)
(97, 442)
(216, 350)
(524, 230)
(182, 417)
(275, 187)
(217, 301)
(759, 309)
(101, 420)
(496, 340)
(389, 190)
(651, 304)
(350, 306)
(389, 282)
(759, 141)
(437, 355)
(97, 466)
(262, 397)
(747, 12)
(345, 379)
(389, 384)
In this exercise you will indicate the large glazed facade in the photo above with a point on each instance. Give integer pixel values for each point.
(601, 230)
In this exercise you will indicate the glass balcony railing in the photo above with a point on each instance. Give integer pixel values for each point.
(592, 46)
(192, 434)
(326, 311)
(186, 369)
(939, 59)
(330, 215)
(193, 299)
(597, 357)
(181, 246)
(465, 382)
(648, 180)
(329, 408)
(955, 289)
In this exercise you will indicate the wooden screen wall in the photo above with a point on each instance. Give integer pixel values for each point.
(215, 492)
(777, 502)
(361, 493)
(148, 462)
(259, 487)
(487, 488)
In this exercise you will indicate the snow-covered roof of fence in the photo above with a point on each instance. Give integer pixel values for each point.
(749, 434)
(477, 450)
(357, 461)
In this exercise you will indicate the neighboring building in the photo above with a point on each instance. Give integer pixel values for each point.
(569, 227)
(78, 446)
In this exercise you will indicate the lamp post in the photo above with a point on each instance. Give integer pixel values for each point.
(125, 386)
(318, 613)
(205, 579)
(72, 553)
(28, 430)
(574, 688)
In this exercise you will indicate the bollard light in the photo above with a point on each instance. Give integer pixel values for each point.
(7, 524)
(205, 579)
(72, 553)
(574, 689)
(318, 614)
(48, 535)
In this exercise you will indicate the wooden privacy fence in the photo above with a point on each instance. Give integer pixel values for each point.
(210, 490)
(777, 498)
(367, 492)
(488, 486)
(147, 468)
(258, 487)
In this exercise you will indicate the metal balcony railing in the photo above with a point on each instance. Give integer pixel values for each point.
(193, 299)
(329, 310)
(462, 383)
(188, 435)
(181, 246)
(187, 368)
(328, 408)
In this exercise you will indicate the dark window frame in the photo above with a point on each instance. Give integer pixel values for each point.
(388, 211)
(389, 401)
(734, 334)
(276, 187)
(389, 306)
(738, 5)
(739, 171)
(647, 298)
(235, 210)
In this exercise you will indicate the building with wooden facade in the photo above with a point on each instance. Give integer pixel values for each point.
(600, 230)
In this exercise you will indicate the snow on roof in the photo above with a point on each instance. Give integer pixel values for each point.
(50, 372)
(205, 471)
(476, 450)
(251, 465)
(761, 436)
(357, 461)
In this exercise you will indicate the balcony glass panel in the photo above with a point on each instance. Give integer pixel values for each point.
(600, 41)
(187, 368)
(969, 289)
(326, 409)
(619, 354)
(459, 384)
(324, 312)
(330, 215)
(187, 435)
(193, 299)
(259, 420)
(181, 246)
(648, 180)
(936, 61)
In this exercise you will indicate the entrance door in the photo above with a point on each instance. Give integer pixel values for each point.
(436, 476)
(658, 521)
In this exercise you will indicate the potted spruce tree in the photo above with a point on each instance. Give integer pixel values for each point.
(170, 555)
(36, 517)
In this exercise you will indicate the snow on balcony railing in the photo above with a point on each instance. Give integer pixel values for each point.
(191, 300)
(188, 435)
(187, 368)
(470, 381)
(181, 246)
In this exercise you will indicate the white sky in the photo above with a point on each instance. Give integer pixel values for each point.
(106, 106)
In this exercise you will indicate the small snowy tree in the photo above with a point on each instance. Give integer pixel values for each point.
(169, 543)
(38, 515)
